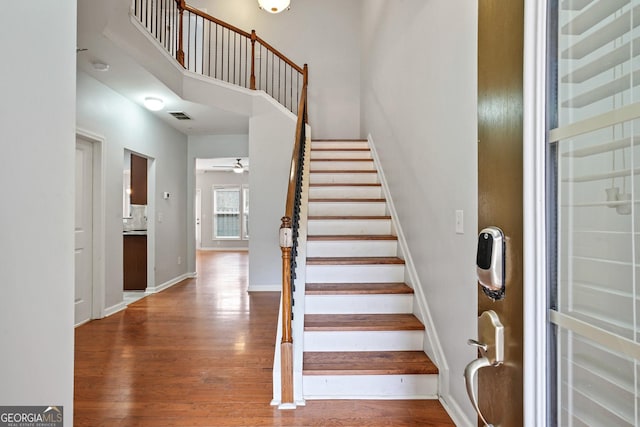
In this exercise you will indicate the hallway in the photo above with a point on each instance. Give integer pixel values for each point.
(201, 354)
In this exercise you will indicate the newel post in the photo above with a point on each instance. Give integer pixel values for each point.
(252, 81)
(180, 51)
(286, 346)
(286, 243)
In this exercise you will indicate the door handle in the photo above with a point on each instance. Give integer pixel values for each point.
(470, 373)
(490, 343)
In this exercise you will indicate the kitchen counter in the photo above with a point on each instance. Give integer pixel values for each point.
(134, 233)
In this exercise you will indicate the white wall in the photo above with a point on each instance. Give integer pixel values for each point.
(271, 135)
(37, 180)
(207, 147)
(125, 125)
(419, 105)
(205, 182)
(325, 35)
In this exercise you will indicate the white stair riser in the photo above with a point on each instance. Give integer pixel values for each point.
(338, 165)
(358, 304)
(338, 192)
(355, 273)
(340, 178)
(347, 208)
(328, 227)
(363, 340)
(340, 154)
(370, 386)
(351, 248)
(340, 144)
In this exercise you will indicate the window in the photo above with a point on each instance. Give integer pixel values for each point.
(230, 212)
(594, 149)
(245, 214)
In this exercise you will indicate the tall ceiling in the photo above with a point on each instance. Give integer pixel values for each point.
(128, 78)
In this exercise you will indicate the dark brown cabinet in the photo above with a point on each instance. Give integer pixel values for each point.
(138, 180)
(135, 262)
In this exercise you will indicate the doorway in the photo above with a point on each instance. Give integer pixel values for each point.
(198, 212)
(88, 229)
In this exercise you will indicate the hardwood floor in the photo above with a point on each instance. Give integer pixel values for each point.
(201, 354)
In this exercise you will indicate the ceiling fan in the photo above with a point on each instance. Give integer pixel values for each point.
(237, 167)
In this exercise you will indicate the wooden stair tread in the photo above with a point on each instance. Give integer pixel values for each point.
(340, 237)
(344, 217)
(362, 260)
(340, 149)
(345, 184)
(368, 363)
(362, 322)
(357, 288)
(342, 160)
(343, 171)
(345, 200)
(338, 140)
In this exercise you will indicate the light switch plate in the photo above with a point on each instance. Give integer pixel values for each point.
(459, 222)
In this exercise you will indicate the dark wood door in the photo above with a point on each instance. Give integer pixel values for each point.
(135, 263)
(138, 180)
(500, 197)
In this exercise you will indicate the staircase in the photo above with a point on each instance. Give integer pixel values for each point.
(361, 339)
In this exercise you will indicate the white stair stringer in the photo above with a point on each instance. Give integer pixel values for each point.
(352, 263)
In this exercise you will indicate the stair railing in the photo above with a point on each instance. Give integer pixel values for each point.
(289, 245)
(206, 45)
(209, 46)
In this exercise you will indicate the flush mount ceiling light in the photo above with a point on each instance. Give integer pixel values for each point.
(274, 6)
(153, 104)
(100, 66)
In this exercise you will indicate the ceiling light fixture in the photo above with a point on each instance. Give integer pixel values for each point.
(100, 66)
(274, 6)
(153, 104)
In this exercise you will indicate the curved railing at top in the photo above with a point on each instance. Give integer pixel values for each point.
(211, 47)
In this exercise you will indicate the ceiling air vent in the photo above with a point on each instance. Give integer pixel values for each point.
(180, 115)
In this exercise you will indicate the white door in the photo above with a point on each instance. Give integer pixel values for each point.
(198, 209)
(83, 231)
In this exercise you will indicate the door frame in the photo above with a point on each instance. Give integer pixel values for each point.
(99, 233)
(198, 217)
(534, 243)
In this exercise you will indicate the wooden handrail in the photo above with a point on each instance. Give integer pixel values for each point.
(288, 245)
(216, 20)
(295, 166)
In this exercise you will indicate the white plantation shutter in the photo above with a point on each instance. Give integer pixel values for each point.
(596, 135)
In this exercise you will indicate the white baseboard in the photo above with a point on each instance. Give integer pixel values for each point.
(455, 412)
(265, 288)
(114, 309)
(168, 284)
(208, 249)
